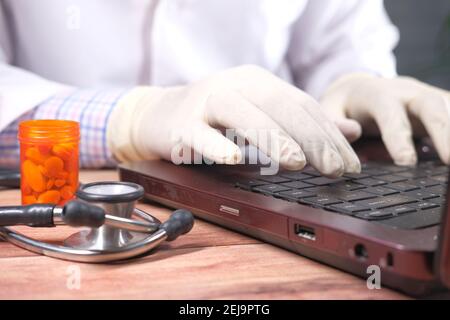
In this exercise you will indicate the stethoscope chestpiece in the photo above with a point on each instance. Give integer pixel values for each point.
(110, 192)
(117, 199)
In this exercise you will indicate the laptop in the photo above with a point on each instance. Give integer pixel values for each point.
(392, 217)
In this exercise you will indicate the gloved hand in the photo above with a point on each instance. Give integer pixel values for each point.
(153, 122)
(397, 108)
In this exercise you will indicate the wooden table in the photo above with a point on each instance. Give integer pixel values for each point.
(208, 263)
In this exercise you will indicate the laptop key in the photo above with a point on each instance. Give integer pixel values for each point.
(323, 181)
(248, 184)
(321, 201)
(386, 202)
(271, 188)
(381, 191)
(296, 175)
(295, 195)
(441, 190)
(415, 220)
(440, 200)
(348, 208)
(376, 171)
(402, 210)
(311, 171)
(343, 195)
(440, 170)
(402, 186)
(413, 174)
(392, 178)
(355, 196)
(380, 214)
(425, 182)
(441, 178)
(371, 182)
(375, 215)
(297, 185)
(273, 179)
(356, 176)
(423, 205)
(349, 186)
(421, 194)
(393, 168)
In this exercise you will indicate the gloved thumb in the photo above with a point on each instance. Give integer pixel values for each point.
(350, 128)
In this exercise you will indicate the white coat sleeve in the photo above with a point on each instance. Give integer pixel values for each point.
(335, 37)
(20, 90)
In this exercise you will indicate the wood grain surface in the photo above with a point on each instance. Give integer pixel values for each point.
(208, 263)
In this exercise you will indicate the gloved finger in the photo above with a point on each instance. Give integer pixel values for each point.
(319, 149)
(211, 144)
(334, 155)
(350, 128)
(433, 110)
(396, 131)
(334, 107)
(351, 161)
(284, 104)
(235, 112)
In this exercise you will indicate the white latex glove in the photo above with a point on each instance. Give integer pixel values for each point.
(397, 108)
(150, 122)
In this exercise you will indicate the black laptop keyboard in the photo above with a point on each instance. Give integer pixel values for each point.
(405, 198)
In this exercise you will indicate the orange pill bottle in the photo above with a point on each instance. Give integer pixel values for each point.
(48, 160)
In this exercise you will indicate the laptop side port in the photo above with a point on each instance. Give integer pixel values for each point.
(304, 232)
(361, 252)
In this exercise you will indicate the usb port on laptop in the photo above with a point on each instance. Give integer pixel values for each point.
(305, 232)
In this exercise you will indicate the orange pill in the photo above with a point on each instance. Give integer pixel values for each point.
(33, 176)
(71, 165)
(66, 192)
(50, 184)
(73, 179)
(51, 196)
(43, 170)
(44, 149)
(34, 155)
(64, 151)
(60, 182)
(26, 188)
(62, 175)
(53, 165)
(29, 200)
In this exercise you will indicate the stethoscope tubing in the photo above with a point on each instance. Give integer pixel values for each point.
(78, 213)
(89, 256)
(83, 255)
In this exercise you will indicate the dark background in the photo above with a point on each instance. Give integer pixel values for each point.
(424, 49)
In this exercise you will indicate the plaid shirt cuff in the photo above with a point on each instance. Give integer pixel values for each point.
(91, 108)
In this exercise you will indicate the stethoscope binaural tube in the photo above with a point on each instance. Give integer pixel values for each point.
(82, 214)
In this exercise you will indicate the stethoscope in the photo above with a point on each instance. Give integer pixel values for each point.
(107, 209)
